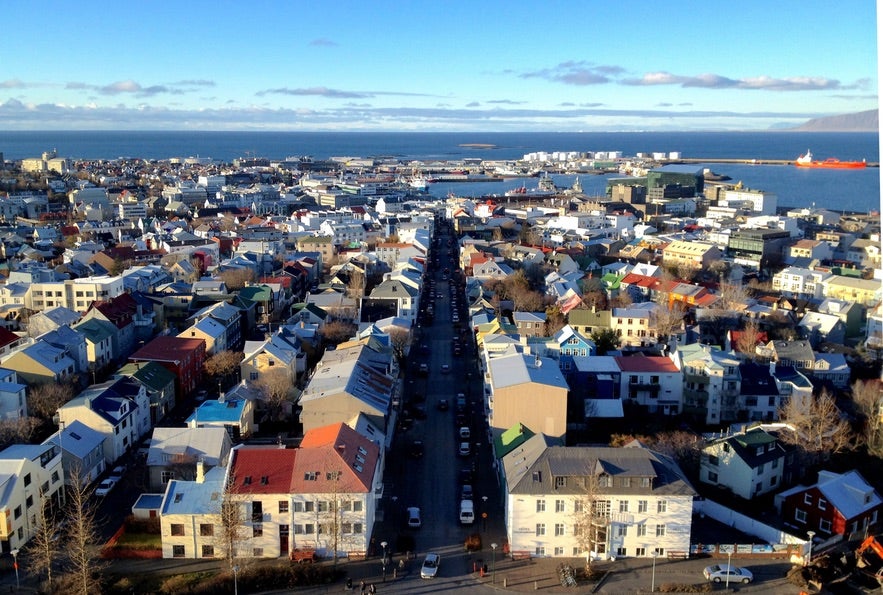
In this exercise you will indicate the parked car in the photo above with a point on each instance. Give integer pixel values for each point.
(416, 449)
(445, 368)
(430, 565)
(465, 449)
(465, 433)
(466, 492)
(414, 521)
(105, 487)
(443, 405)
(117, 473)
(720, 574)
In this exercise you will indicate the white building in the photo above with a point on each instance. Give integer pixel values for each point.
(636, 501)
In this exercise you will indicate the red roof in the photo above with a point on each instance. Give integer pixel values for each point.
(335, 457)
(7, 337)
(267, 470)
(645, 363)
(168, 349)
(119, 310)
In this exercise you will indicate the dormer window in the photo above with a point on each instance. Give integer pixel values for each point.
(560, 482)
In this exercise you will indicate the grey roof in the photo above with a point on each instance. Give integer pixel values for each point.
(192, 497)
(211, 444)
(78, 439)
(533, 469)
(518, 368)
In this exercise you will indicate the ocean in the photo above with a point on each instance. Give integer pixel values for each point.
(850, 190)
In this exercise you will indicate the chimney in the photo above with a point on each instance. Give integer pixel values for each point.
(200, 470)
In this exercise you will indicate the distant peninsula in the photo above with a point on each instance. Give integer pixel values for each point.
(859, 122)
(478, 145)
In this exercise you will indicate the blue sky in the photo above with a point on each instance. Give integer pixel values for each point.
(432, 65)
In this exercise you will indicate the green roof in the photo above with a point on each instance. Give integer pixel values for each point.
(754, 438)
(612, 280)
(151, 374)
(95, 330)
(511, 439)
(256, 293)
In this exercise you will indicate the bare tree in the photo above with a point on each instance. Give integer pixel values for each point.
(44, 549)
(746, 344)
(337, 331)
(236, 279)
(18, 431)
(45, 399)
(732, 297)
(623, 299)
(819, 429)
(867, 397)
(667, 318)
(230, 531)
(682, 446)
(276, 388)
(400, 339)
(356, 286)
(223, 363)
(591, 515)
(555, 320)
(82, 531)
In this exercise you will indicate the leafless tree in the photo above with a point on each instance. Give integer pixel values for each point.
(684, 447)
(276, 388)
(400, 339)
(591, 514)
(356, 286)
(337, 331)
(623, 299)
(746, 344)
(18, 431)
(555, 320)
(44, 549)
(867, 397)
(223, 363)
(230, 530)
(667, 318)
(819, 428)
(45, 399)
(732, 297)
(82, 531)
(236, 279)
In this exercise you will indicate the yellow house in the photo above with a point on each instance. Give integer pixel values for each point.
(528, 390)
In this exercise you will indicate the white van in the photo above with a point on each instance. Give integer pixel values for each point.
(467, 512)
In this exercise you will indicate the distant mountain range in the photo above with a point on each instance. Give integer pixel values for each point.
(868, 121)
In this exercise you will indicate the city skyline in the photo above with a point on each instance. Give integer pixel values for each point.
(409, 66)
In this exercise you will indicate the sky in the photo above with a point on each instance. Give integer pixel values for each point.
(432, 65)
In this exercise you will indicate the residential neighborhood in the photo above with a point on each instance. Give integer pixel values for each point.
(286, 360)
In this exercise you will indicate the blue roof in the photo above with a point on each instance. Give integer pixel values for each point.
(230, 410)
(148, 502)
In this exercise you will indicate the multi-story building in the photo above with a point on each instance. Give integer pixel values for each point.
(76, 294)
(599, 501)
(749, 464)
(758, 248)
(711, 383)
(182, 357)
(694, 255)
(652, 382)
(30, 476)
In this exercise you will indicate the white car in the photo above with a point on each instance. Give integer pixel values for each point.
(117, 473)
(430, 566)
(414, 521)
(720, 574)
(105, 487)
(465, 449)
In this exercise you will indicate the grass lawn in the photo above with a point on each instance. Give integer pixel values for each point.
(140, 541)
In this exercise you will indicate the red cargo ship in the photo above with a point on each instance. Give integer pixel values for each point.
(831, 163)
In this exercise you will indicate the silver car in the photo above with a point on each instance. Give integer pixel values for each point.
(430, 566)
(721, 574)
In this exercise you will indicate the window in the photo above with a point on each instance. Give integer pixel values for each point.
(660, 530)
(559, 505)
(541, 506)
(760, 469)
(622, 530)
(357, 506)
(177, 551)
(559, 551)
(27, 480)
(29, 501)
(661, 506)
(206, 529)
(603, 481)
(645, 482)
(560, 482)
(823, 504)
(559, 529)
(321, 506)
(578, 506)
(309, 529)
(642, 506)
(208, 551)
(167, 476)
(620, 551)
(642, 530)
(800, 516)
(257, 530)
(825, 525)
(308, 506)
(807, 499)
(539, 551)
(298, 507)
(623, 506)
(626, 482)
(640, 551)
(177, 530)
(541, 529)
(357, 528)
(283, 506)
(257, 552)
(712, 476)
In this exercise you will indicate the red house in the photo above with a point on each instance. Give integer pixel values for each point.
(182, 357)
(837, 504)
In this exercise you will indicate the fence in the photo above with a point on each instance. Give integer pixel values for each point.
(746, 524)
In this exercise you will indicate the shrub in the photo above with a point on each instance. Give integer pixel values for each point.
(685, 588)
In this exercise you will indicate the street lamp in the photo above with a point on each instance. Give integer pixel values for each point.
(235, 580)
(653, 579)
(484, 512)
(811, 534)
(729, 557)
(383, 544)
(494, 567)
(15, 565)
